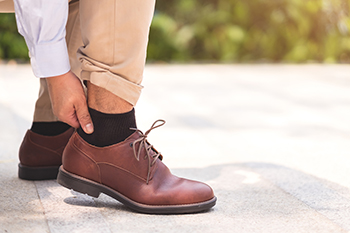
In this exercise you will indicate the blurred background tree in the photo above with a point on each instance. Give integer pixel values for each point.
(251, 31)
(12, 45)
(234, 31)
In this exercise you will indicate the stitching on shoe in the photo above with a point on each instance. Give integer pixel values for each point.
(123, 169)
(45, 148)
(95, 163)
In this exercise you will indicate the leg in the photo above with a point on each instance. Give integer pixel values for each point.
(41, 151)
(127, 167)
(113, 71)
(43, 109)
(122, 28)
(105, 101)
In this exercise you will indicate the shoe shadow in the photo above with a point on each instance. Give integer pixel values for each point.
(103, 201)
(258, 184)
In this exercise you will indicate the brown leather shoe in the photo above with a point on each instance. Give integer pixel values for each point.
(131, 172)
(41, 156)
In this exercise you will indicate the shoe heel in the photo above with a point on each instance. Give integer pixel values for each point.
(37, 173)
(73, 182)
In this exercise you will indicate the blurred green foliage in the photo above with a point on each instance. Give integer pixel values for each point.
(12, 45)
(233, 31)
(251, 31)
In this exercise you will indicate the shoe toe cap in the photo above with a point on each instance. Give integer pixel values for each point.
(195, 192)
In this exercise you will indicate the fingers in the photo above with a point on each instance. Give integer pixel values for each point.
(68, 116)
(84, 118)
(69, 102)
(77, 116)
(72, 121)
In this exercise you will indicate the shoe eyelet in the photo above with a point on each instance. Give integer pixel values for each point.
(131, 144)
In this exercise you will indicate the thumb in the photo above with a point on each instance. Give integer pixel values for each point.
(84, 118)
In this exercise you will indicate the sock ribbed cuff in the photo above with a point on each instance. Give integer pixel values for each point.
(49, 128)
(109, 129)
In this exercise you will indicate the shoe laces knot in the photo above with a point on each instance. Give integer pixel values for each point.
(143, 143)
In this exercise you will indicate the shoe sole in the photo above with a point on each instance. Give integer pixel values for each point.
(94, 189)
(37, 173)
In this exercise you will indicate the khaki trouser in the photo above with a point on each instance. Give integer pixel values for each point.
(107, 43)
(6, 6)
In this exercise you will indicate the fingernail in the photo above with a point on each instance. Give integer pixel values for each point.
(89, 128)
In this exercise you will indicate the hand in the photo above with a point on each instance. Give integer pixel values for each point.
(69, 101)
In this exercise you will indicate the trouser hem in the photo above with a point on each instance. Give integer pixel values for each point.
(114, 83)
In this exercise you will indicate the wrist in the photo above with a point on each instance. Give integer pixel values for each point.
(58, 78)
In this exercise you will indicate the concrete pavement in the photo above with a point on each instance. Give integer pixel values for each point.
(272, 140)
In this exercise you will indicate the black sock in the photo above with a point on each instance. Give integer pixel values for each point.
(49, 128)
(109, 129)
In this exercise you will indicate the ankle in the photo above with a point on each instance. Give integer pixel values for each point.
(105, 101)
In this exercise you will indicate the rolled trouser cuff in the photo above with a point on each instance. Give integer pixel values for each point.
(114, 83)
(115, 36)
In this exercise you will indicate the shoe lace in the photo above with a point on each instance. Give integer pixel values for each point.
(142, 140)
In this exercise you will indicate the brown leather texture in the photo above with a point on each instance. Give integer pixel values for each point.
(43, 151)
(117, 167)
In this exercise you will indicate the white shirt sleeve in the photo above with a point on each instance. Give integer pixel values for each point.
(43, 25)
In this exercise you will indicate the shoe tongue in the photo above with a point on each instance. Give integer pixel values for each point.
(133, 136)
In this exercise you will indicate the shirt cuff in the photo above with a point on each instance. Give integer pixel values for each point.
(49, 59)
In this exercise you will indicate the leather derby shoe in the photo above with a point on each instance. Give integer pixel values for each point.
(133, 173)
(41, 156)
